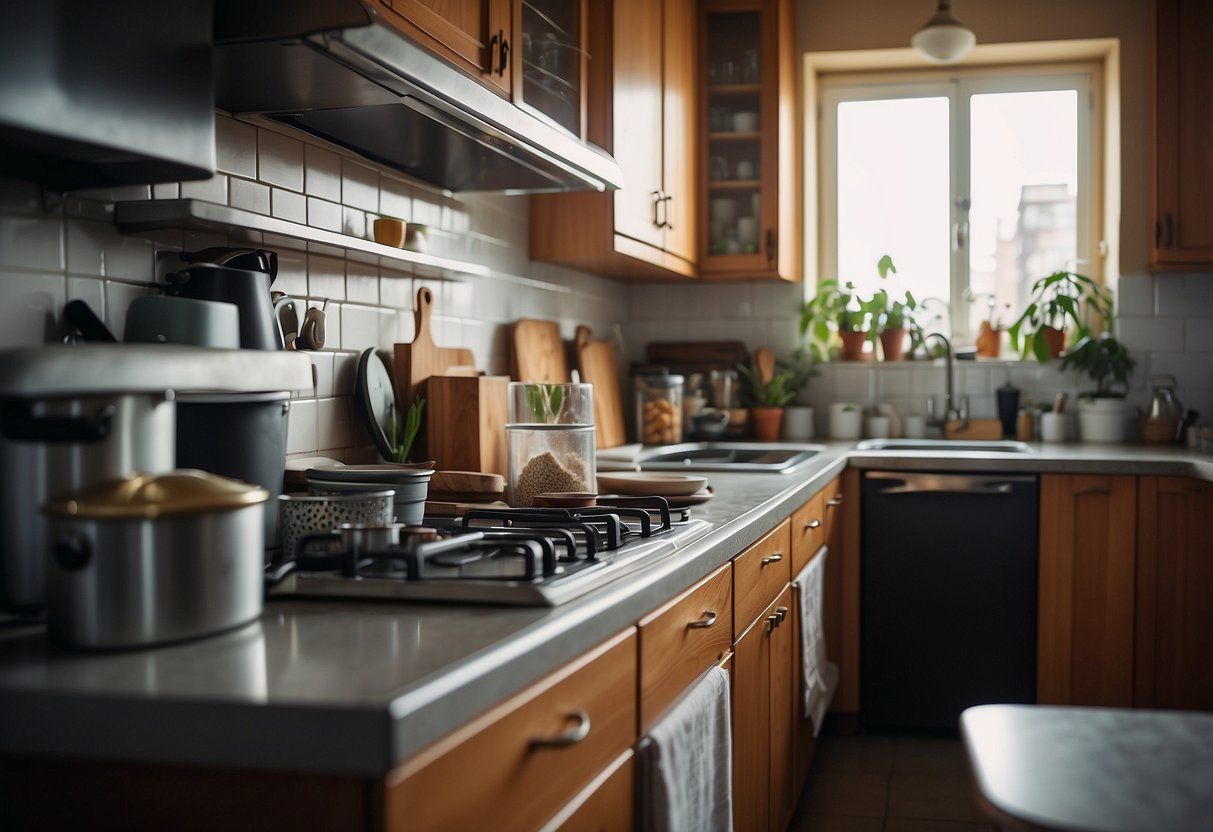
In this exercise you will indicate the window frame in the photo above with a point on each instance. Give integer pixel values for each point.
(958, 85)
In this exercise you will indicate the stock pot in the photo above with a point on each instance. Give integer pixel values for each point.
(147, 559)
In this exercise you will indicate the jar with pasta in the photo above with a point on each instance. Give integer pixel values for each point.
(551, 440)
(658, 409)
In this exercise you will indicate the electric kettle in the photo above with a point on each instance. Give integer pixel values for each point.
(242, 276)
(1162, 426)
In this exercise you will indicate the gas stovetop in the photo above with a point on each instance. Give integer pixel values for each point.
(508, 556)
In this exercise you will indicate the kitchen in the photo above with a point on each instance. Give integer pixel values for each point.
(52, 253)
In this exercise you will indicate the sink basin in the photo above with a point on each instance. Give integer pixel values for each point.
(756, 457)
(946, 446)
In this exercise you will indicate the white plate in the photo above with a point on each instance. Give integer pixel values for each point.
(650, 483)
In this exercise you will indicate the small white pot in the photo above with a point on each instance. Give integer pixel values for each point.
(846, 420)
(1103, 420)
(797, 423)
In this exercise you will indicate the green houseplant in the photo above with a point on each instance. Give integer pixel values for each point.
(1057, 302)
(854, 318)
(766, 400)
(1103, 414)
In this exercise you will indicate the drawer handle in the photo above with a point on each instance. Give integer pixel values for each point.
(782, 612)
(570, 737)
(708, 620)
(775, 558)
(813, 524)
(835, 502)
(772, 622)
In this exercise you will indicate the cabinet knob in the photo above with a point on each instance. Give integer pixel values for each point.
(775, 558)
(570, 737)
(782, 612)
(834, 503)
(772, 622)
(813, 524)
(708, 620)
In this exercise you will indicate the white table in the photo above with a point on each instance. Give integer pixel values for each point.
(1094, 769)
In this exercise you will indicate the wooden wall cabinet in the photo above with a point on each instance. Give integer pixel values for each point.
(475, 35)
(642, 111)
(1174, 652)
(1085, 604)
(749, 157)
(1183, 125)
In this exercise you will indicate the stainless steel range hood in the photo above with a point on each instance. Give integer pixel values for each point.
(340, 71)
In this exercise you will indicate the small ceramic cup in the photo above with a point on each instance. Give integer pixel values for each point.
(878, 427)
(1053, 427)
(916, 427)
(389, 232)
(846, 420)
(417, 238)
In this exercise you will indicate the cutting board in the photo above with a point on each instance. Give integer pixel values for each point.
(469, 486)
(596, 363)
(465, 427)
(415, 363)
(537, 353)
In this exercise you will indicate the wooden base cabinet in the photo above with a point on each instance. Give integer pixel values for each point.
(1085, 602)
(1174, 594)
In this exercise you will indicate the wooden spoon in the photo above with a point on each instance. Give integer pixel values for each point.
(764, 362)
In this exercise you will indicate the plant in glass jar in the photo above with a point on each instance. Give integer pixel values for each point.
(1059, 302)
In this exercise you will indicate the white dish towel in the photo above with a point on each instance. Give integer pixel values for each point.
(818, 676)
(686, 762)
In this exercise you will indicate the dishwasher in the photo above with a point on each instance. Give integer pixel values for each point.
(948, 595)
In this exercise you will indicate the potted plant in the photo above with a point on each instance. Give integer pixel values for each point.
(766, 400)
(797, 418)
(1103, 415)
(898, 320)
(1056, 302)
(854, 318)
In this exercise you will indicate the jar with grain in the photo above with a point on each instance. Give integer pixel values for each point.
(659, 409)
(551, 440)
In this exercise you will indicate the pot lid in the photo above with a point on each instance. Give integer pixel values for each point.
(145, 497)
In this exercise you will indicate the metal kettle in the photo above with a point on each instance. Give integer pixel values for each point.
(242, 276)
(1164, 405)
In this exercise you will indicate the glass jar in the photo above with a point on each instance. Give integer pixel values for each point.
(659, 409)
(551, 440)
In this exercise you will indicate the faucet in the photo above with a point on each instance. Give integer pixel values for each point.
(951, 410)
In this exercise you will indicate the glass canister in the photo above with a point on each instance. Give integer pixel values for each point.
(658, 409)
(551, 440)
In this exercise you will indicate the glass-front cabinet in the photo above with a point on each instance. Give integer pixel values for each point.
(748, 156)
(553, 61)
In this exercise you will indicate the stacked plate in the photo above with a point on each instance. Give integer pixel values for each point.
(680, 490)
(410, 483)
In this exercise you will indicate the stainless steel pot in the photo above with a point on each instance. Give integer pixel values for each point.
(146, 560)
(52, 446)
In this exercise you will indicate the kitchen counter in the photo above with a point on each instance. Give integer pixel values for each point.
(355, 688)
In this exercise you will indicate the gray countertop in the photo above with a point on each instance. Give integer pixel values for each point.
(356, 688)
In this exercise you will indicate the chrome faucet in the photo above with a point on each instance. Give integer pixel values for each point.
(952, 410)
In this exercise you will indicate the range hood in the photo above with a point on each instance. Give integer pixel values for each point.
(338, 70)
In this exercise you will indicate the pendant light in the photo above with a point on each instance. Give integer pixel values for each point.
(944, 38)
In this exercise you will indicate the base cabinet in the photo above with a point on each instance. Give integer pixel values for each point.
(1174, 639)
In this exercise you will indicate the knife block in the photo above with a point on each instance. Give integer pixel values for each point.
(465, 422)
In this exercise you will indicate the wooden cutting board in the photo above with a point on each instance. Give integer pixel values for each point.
(537, 353)
(416, 362)
(597, 366)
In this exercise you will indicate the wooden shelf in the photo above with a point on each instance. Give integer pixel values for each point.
(153, 214)
(734, 184)
(735, 137)
(734, 89)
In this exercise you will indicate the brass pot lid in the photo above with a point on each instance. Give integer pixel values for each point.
(145, 497)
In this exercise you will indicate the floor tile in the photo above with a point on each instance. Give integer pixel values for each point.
(933, 796)
(844, 793)
(918, 825)
(927, 755)
(837, 823)
(864, 755)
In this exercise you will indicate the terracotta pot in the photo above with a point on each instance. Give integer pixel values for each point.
(1055, 338)
(988, 341)
(767, 423)
(852, 345)
(893, 344)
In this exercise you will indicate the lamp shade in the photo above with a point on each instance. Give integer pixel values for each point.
(944, 38)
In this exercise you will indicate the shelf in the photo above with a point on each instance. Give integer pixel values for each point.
(734, 184)
(150, 215)
(735, 137)
(735, 89)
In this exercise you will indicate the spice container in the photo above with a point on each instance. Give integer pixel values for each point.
(658, 409)
(551, 440)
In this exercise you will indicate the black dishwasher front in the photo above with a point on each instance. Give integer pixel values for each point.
(948, 595)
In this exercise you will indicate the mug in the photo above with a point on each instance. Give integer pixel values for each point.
(846, 420)
(878, 427)
(745, 169)
(1053, 427)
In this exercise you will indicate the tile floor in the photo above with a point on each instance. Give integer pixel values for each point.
(888, 783)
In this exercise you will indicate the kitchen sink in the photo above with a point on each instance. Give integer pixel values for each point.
(755, 457)
(953, 446)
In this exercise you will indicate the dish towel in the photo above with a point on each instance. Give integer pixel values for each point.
(818, 676)
(686, 762)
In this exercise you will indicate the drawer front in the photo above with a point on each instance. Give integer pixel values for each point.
(808, 531)
(759, 575)
(832, 497)
(516, 766)
(605, 806)
(681, 640)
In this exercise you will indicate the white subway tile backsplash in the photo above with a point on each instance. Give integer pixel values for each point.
(235, 147)
(128, 258)
(86, 246)
(359, 186)
(250, 196)
(209, 190)
(353, 223)
(32, 308)
(323, 214)
(32, 243)
(118, 297)
(361, 282)
(303, 432)
(322, 173)
(335, 423)
(288, 205)
(325, 277)
(1155, 334)
(1135, 295)
(91, 291)
(395, 198)
(166, 190)
(279, 160)
(1198, 336)
(345, 370)
(367, 326)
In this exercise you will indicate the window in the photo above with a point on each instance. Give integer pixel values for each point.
(976, 185)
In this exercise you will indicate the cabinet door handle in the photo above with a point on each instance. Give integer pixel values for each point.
(772, 622)
(708, 620)
(1169, 221)
(770, 245)
(1157, 234)
(494, 44)
(775, 558)
(813, 524)
(782, 612)
(656, 195)
(570, 737)
(834, 503)
(505, 56)
(668, 221)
